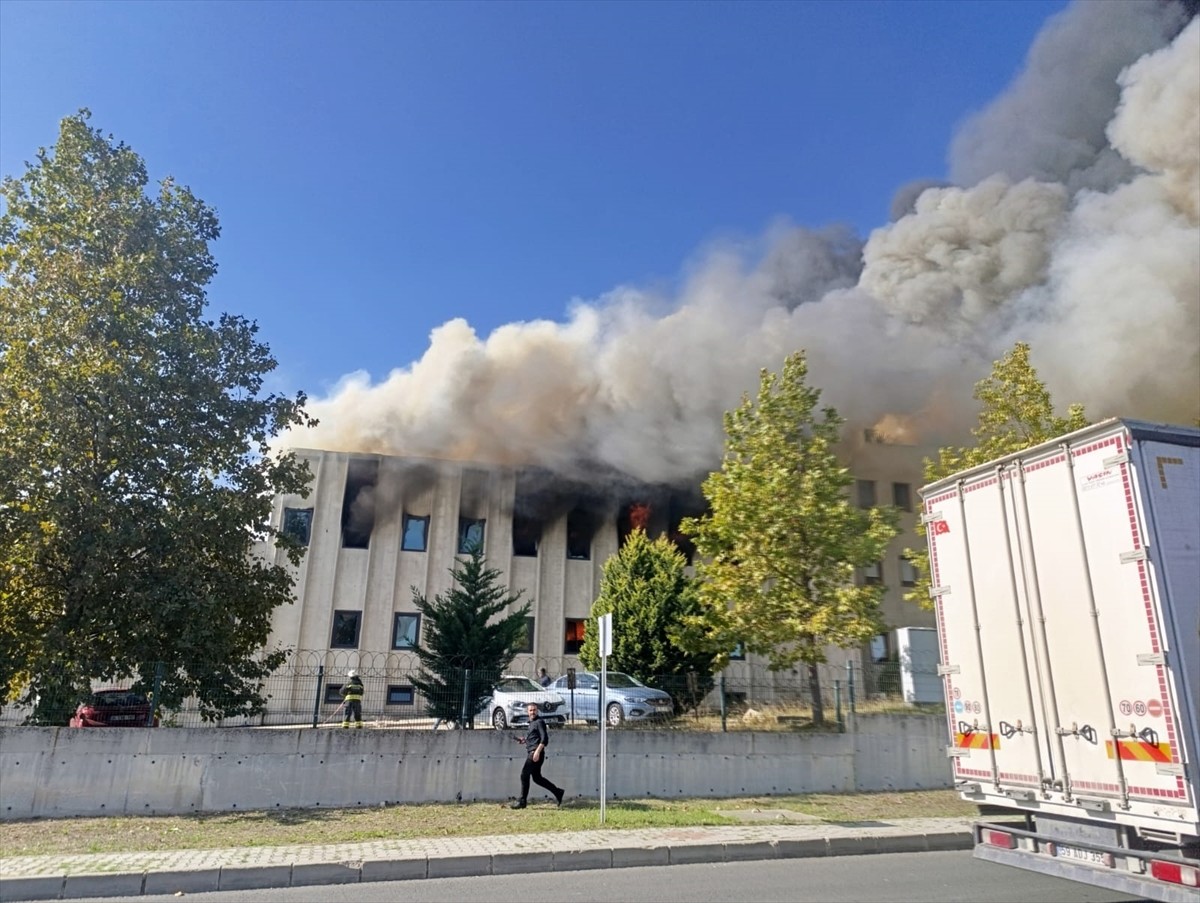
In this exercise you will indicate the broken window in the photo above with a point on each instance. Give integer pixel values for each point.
(297, 523)
(902, 496)
(406, 631)
(345, 629)
(358, 503)
(865, 493)
(470, 534)
(414, 534)
(576, 627)
(738, 654)
(580, 527)
(527, 534)
(634, 516)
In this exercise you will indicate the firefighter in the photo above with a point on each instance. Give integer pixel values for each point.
(352, 695)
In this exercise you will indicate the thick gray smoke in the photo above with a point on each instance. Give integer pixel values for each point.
(1072, 223)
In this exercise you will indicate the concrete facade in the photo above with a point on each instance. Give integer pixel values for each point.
(59, 772)
(375, 583)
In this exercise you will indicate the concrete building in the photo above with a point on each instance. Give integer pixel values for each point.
(378, 527)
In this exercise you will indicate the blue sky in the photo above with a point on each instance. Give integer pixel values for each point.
(380, 168)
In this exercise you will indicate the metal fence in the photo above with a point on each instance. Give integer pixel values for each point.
(306, 692)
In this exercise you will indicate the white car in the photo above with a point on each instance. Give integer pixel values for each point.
(628, 698)
(510, 696)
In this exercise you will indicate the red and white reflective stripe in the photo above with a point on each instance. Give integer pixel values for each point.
(998, 839)
(1186, 875)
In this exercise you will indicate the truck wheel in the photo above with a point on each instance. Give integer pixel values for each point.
(499, 722)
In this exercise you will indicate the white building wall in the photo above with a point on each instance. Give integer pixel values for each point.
(378, 581)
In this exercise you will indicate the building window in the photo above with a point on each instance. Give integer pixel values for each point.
(908, 572)
(873, 573)
(864, 491)
(527, 645)
(576, 628)
(414, 534)
(470, 534)
(580, 527)
(400, 694)
(527, 533)
(345, 629)
(297, 523)
(407, 631)
(333, 694)
(738, 654)
(902, 496)
(358, 503)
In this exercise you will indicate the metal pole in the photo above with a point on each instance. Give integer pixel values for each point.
(462, 721)
(850, 683)
(723, 728)
(317, 701)
(158, 677)
(603, 718)
(837, 703)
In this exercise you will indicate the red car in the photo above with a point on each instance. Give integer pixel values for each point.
(113, 708)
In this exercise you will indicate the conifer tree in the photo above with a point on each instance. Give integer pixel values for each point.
(464, 650)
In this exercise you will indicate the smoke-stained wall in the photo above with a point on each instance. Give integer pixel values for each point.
(547, 535)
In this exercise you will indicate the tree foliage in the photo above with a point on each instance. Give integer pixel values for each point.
(460, 635)
(650, 597)
(779, 547)
(136, 474)
(1016, 413)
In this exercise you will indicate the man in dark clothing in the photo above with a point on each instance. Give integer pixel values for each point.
(535, 742)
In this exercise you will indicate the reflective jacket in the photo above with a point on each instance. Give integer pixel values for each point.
(353, 690)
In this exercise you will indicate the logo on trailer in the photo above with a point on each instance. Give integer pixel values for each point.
(939, 527)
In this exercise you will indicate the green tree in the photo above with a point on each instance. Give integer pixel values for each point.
(1016, 413)
(461, 636)
(779, 547)
(136, 475)
(650, 597)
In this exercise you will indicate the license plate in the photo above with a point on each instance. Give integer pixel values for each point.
(1092, 857)
(124, 718)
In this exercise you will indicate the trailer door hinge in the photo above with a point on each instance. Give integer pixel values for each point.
(943, 670)
(1152, 658)
(1122, 458)
(1135, 555)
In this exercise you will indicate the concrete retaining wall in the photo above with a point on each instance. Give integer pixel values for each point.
(61, 772)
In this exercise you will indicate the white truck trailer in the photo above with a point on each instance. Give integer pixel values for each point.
(1066, 582)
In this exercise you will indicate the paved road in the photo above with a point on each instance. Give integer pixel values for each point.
(948, 877)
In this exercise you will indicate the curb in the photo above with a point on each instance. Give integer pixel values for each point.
(310, 874)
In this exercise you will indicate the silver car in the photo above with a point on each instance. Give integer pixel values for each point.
(628, 699)
(510, 695)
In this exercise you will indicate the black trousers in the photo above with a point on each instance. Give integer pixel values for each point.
(533, 771)
(353, 711)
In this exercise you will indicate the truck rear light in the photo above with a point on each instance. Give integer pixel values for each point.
(998, 839)
(1175, 873)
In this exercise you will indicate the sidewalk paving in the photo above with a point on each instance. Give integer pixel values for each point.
(197, 871)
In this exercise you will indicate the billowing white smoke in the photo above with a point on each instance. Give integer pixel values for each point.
(1073, 226)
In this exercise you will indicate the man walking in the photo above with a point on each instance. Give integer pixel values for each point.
(352, 697)
(535, 742)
